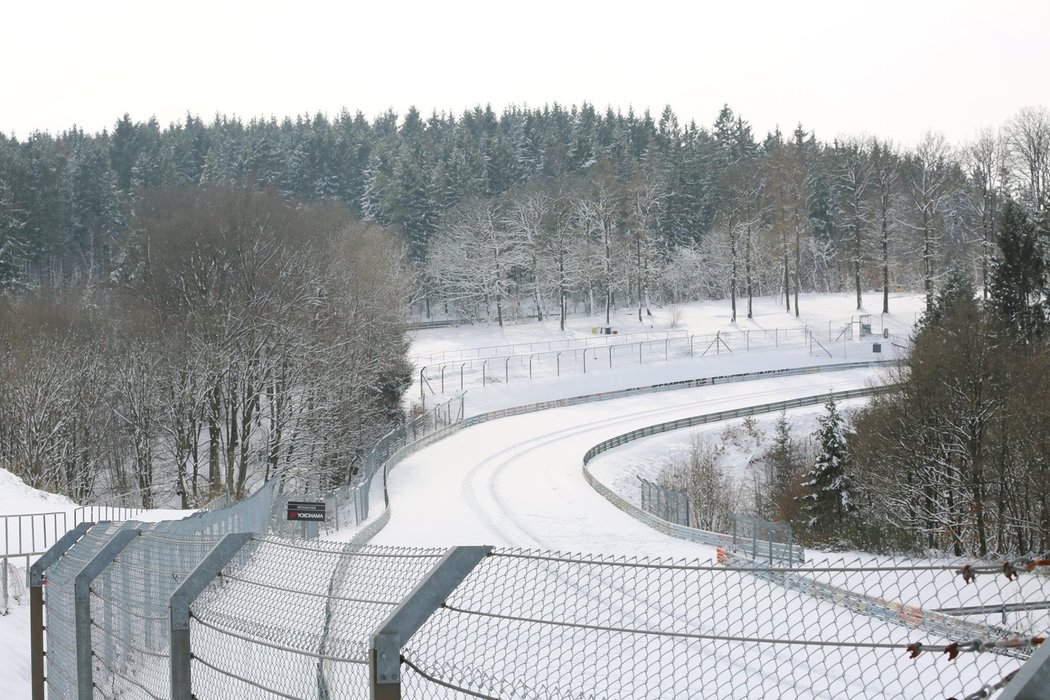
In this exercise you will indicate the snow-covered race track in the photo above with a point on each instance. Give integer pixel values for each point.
(518, 481)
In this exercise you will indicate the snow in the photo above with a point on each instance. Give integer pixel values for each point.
(37, 533)
(518, 481)
(17, 497)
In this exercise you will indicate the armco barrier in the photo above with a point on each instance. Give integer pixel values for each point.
(774, 550)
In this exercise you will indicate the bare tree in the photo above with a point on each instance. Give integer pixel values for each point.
(886, 174)
(1028, 137)
(930, 183)
(599, 212)
(477, 256)
(854, 170)
(985, 159)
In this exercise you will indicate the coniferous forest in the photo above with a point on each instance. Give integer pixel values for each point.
(187, 309)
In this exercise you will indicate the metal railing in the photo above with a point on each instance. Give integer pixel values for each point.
(29, 533)
(437, 378)
(597, 340)
(669, 504)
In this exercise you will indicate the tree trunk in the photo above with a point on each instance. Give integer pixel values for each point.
(214, 440)
(732, 277)
(798, 266)
(747, 266)
(885, 262)
(857, 253)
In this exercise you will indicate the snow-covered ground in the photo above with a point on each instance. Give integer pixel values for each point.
(33, 534)
(519, 481)
(818, 312)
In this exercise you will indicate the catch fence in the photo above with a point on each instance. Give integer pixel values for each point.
(276, 617)
(669, 504)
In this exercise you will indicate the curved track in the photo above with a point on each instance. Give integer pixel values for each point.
(517, 481)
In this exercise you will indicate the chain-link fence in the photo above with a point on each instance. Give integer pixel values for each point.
(294, 619)
(538, 624)
(306, 619)
(129, 613)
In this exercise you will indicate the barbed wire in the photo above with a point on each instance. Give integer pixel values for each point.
(1011, 568)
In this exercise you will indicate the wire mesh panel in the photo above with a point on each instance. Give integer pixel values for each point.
(293, 618)
(61, 637)
(250, 515)
(540, 625)
(765, 541)
(130, 620)
(669, 504)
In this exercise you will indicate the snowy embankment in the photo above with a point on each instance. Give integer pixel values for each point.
(34, 532)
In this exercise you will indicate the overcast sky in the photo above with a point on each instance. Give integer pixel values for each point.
(891, 68)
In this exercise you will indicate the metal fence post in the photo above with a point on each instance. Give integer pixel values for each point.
(1032, 679)
(179, 609)
(384, 678)
(82, 606)
(36, 603)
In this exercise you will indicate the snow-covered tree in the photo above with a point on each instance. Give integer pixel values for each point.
(826, 501)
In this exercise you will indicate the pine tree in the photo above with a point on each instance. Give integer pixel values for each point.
(783, 461)
(826, 502)
(1019, 276)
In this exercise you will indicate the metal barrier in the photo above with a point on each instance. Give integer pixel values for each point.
(31, 533)
(439, 376)
(762, 549)
(98, 513)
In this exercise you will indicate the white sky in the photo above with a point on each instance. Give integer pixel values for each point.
(887, 67)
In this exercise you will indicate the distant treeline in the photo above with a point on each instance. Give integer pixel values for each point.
(651, 205)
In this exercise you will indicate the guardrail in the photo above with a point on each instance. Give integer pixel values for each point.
(774, 551)
(26, 533)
